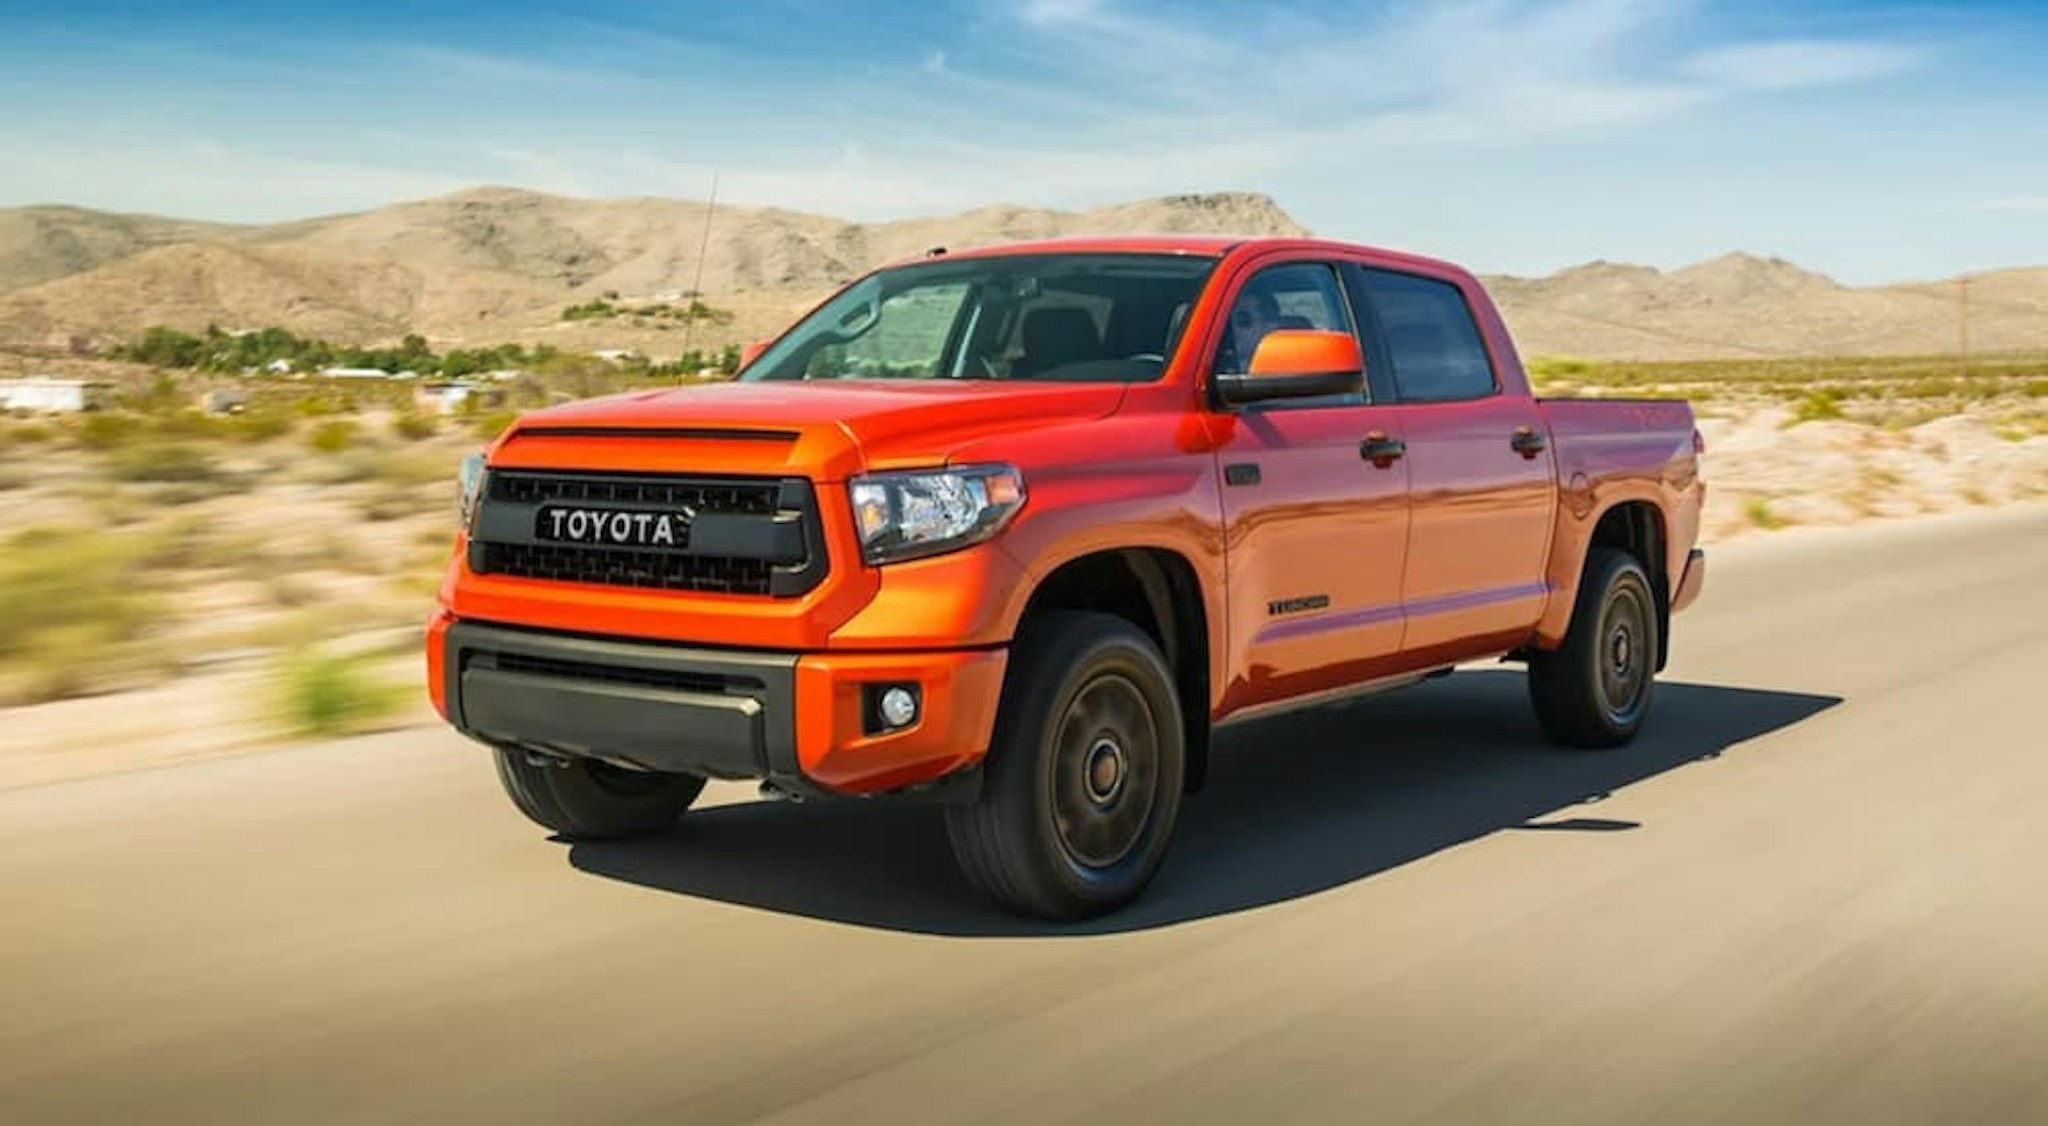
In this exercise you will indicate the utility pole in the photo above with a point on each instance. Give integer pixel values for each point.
(697, 283)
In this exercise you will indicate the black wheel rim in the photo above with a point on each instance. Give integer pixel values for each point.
(1105, 772)
(1624, 654)
(621, 782)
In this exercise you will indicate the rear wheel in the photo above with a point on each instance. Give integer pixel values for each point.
(1084, 780)
(585, 799)
(1594, 690)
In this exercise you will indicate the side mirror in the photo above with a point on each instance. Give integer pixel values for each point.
(1294, 363)
(752, 350)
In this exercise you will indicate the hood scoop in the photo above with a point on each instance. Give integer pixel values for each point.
(696, 433)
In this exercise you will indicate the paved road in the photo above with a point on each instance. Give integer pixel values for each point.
(1814, 893)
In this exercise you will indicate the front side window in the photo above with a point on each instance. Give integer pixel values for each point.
(1091, 318)
(1434, 344)
(1297, 295)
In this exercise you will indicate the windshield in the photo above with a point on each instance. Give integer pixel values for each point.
(1091, 318)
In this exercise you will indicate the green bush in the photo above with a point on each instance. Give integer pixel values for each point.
(328, 695)
(1817, 406)
(1758, 511)
(334, 435)
(162, 461)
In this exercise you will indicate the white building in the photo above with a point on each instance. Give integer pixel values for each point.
(45, 394)
(449, 398)
(355, 373)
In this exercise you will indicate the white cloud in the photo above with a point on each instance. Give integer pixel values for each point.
(206, 180)
(1060, 11)
(1795, 64)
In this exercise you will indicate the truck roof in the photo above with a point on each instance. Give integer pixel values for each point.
(1216, 245)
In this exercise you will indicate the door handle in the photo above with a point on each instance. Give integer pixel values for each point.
(1381, 450)
(1528, 442)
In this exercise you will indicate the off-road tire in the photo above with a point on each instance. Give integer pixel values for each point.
(1594, 691)
(594, 801)
(1083, 780)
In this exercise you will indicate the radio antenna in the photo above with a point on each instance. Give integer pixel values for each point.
(697, 283)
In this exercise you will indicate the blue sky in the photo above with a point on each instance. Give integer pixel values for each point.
(1876, 142)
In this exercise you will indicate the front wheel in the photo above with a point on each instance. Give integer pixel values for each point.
(584, 799)
(1084, 778)
(1594, 690)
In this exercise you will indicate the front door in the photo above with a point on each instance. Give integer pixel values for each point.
(1315, 503)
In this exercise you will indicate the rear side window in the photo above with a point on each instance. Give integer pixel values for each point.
(1431, 338)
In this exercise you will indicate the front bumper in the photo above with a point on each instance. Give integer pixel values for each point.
(803, 722)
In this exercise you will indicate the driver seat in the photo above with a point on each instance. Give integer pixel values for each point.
(1054, 336)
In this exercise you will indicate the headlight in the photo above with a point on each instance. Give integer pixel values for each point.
(469, 483)
(929, 512)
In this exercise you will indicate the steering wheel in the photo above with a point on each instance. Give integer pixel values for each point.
(1146, 356)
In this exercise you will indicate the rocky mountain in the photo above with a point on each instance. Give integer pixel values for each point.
(495, 264)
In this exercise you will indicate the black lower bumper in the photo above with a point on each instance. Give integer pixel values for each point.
(720, 713)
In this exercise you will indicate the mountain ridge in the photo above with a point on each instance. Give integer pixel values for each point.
(499, 262)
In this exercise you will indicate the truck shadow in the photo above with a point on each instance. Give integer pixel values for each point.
(1295, 805)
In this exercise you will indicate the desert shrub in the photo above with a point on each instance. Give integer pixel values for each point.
(192, 425)
(1759, 513)
(1546, 368)
(417, 469)
(325, 401)
(490, 424)
(333, 435)
(2020, 427)
(289, 591)
(106, 430)
(413, 426)
(14, 477)
(25, 434)
(318, 694)
(2037, 389)
(193, 492)
(260, 424)
(395, 501)
(68, 596)
(173, 544)
(161, 461)
(1817, 406)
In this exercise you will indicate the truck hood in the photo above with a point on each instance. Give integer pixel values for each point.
(827, 430)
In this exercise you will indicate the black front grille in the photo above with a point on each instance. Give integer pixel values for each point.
(653, 570)
(757, 550)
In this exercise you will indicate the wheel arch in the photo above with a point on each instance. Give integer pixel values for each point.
(1158, 590)
(1637, 527)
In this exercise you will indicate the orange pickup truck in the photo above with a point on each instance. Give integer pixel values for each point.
(1016, 529)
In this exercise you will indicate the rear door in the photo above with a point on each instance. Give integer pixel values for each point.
(1316, 530)
(1481, 476)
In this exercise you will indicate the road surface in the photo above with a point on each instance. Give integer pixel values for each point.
(1814, 892)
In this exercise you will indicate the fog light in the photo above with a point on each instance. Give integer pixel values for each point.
(898, 707)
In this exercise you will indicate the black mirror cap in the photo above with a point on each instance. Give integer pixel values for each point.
(1237, 389)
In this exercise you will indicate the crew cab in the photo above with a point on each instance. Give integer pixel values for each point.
(1018, 528)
